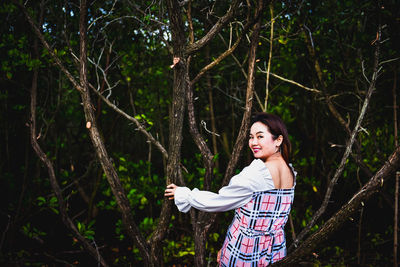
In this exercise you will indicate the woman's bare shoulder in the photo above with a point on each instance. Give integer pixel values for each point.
(280, 172)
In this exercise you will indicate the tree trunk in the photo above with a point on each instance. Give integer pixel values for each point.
(174, 174)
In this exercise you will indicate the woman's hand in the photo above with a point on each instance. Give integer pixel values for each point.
(170, 191)
(219, 256)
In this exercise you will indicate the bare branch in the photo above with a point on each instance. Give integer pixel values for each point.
(218, 60)
(291, 81)
(204, 124)
(191, 48)
(234, 58)
(310, 46)
(99, 147)
(249, 97)
(139, 126)
(389, 60)
(271, 8)
(103, 16)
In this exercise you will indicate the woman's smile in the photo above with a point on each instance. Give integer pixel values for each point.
(261, 141)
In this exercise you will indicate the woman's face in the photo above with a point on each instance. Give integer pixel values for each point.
(261, 141)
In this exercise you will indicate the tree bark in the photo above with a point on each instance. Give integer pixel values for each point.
(174, 174)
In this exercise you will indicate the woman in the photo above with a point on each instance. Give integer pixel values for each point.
(262, 194)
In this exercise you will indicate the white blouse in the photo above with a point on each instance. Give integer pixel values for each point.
(253, 178)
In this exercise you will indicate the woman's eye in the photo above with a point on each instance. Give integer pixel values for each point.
(260, 136)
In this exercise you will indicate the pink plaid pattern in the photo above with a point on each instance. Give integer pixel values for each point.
(256, 236)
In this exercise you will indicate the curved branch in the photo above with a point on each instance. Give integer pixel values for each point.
(174, 174)
(223, 55)
(191, 48)
(99, 147)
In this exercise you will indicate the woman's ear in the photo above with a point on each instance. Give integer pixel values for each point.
(279, 140)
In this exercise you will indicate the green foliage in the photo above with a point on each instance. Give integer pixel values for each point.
(48, 203)
(87, 230)
(180, 249)
(32, 232)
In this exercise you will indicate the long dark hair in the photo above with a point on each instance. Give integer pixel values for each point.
(276, 127)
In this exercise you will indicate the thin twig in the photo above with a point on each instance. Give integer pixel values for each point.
(103, 16)
(271, 8)
(291, 81)
(140, 127)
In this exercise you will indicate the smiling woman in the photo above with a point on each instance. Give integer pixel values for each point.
(262, 194)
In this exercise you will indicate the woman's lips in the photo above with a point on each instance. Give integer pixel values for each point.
(255, 150)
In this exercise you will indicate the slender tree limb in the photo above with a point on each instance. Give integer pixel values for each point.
(347, 152)
(91, 124)
(198, 216)
(199, 140)
(139, 126)
(191, 48)
(229, 51)
(243, 131)
(336, 221)
(50, 168)
(234, 57)
(223, 55)
(317, 67)
(189, 16)
(271, 38)
(292, 82)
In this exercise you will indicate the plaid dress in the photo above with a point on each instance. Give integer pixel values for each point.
(256, 236)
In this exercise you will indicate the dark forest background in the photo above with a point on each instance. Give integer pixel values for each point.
(96, 119)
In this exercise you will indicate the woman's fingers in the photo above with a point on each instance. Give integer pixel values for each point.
(219, 256)
(170, 191)
(171, 186)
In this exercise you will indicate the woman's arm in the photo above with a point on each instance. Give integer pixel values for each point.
(235, 195)
(238, 193)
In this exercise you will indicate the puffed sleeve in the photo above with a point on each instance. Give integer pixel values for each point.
(236, 194)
